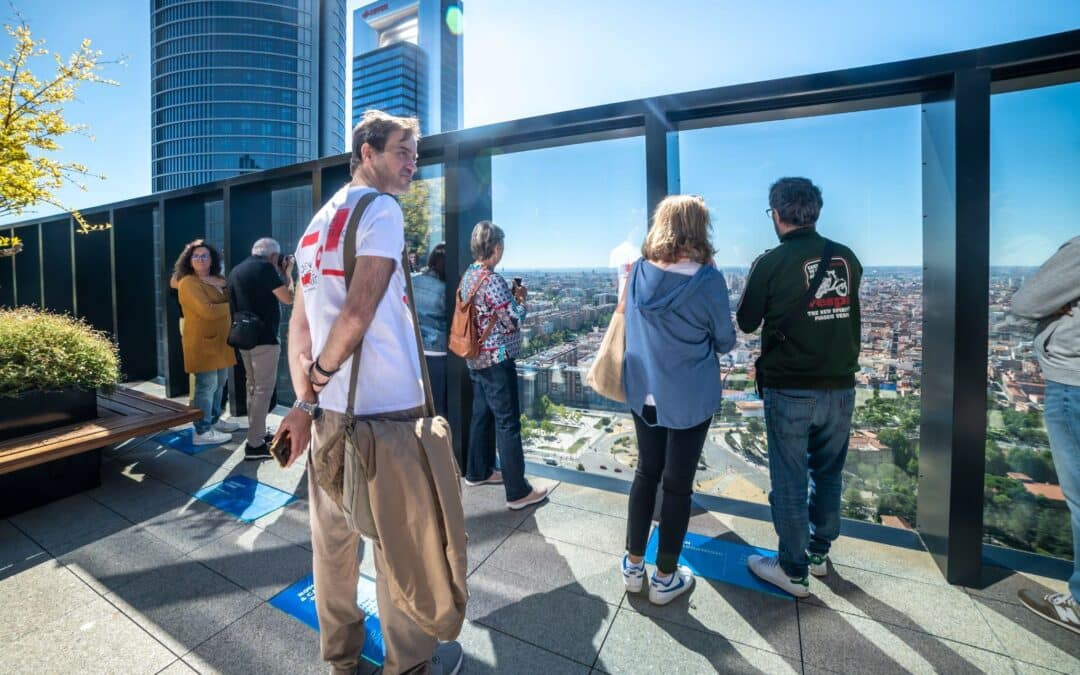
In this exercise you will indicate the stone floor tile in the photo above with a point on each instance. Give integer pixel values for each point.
(184, 472)
(291, 522)
(195, 603)
(1002, 584)
(68, 523)
(845, 643)
(896, 561)
(490, 651)
(576, 526)
(192, 525)
(591, 499)
(553, 564)
(95, 638)
(256, 560)
(641, 644)
(560, 621)
(17, 551)
(134, 494)
(109, 563)
(484, 538)
(37, 596)
(1030, 638)
(266, 640)
(901, 602)
(178, 667)
(740, 615)
(488, 503)
(1029, 669)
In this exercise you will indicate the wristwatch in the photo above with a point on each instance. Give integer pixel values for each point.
(312, 409)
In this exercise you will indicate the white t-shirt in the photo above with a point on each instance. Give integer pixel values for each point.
(390, 378)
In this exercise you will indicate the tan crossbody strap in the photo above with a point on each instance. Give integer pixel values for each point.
(349, 260)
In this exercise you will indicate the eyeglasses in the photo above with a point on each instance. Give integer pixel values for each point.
(201, 256)
(768, 212)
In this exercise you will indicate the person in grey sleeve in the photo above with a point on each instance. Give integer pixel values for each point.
(1052, 297)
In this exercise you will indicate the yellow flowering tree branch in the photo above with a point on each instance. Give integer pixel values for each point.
(32, 119)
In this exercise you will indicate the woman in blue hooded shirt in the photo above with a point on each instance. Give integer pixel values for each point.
(677, 321)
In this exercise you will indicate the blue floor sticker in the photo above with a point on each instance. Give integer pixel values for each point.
(298, 601)
(717, 559)
(181, 440)
(245, 498)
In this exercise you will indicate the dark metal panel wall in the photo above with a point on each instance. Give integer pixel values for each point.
(93, 275)
(133, 244)
(58, 269)
(7, 274)
(183, 219)
(28, 267)
(956, 158)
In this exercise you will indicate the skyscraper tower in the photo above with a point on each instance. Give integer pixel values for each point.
(244, 86)
(407, 61)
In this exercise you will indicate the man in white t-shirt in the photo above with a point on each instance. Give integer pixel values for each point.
(326, 326)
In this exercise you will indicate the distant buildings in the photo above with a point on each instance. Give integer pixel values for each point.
(407, 61)
(244, 86)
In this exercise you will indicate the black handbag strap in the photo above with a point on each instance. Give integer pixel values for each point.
(771, 340)
(349, 259)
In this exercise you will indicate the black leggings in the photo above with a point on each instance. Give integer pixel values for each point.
(671, 454)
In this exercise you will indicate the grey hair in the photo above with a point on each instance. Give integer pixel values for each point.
(265, 247)
(797, 201)
(486, 236)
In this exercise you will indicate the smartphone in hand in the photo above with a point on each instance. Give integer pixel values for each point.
(281, 448)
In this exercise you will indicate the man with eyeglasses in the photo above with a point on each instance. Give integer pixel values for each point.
(806, 292)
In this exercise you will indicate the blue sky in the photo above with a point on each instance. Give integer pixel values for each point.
(524, 58)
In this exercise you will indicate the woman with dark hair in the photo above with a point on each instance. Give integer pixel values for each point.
(429, 294)
(201, 287)
(500, 310)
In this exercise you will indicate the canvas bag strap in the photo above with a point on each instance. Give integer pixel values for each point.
(348, 255)
(429, 402)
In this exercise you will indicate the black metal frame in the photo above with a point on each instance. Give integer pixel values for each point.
(954, 90)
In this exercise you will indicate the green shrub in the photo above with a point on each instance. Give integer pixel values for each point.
(39, 350)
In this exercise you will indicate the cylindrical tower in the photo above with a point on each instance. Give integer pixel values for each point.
(244, 85)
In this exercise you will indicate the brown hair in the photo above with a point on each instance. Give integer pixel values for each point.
(680, 229)
(375, 128)
(183, 263)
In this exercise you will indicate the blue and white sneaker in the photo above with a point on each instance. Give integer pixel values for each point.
(632, 575)
(661, 593)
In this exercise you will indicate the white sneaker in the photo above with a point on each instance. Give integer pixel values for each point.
(633, 575)
(768, 569)
(819, 564)
(661, 593)
(211, 437)
(226, 426)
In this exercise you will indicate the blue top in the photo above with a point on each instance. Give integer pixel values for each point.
(675, 326)
(429, 293)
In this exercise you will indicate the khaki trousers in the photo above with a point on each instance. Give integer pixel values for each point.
(336, 553)
(260, 368)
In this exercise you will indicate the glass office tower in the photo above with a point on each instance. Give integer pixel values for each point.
(407, 61)
(242, 86)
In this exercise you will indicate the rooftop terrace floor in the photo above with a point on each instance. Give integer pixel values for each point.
(137, 576)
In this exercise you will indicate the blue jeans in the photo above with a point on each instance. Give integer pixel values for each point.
(808, 432)
(209, 389)
(495, 404)
(1062, 415)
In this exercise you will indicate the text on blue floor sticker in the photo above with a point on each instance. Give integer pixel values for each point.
(298, 601)
(245, 498)
(180, 440)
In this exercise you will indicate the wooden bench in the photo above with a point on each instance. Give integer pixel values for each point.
(122, 415)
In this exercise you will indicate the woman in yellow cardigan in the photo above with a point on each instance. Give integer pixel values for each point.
(206, 326)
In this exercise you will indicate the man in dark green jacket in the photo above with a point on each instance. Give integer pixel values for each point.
(810, 354)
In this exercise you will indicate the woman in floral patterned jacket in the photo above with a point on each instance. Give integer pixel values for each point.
(494, 373)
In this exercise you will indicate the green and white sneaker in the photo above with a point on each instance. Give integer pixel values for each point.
(1060, 608)
(819, 564)
(767, 568)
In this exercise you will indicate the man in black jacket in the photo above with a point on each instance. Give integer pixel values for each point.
(810, 353)
(258, 285)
